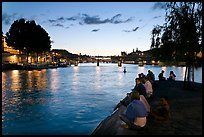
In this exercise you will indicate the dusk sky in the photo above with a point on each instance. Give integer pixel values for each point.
(91, 28)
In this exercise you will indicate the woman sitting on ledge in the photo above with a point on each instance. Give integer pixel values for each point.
(136, 113)
(172, 76)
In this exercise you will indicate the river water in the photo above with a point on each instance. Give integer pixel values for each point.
(68, 101)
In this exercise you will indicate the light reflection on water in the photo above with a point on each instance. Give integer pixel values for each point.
(70, 100)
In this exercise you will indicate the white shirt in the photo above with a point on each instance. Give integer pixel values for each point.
(148, 87)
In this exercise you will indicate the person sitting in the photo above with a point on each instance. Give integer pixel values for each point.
(127, 100)
(151, 76)
(172, 76)
(135, 114)
(148, 87)
(162, 111)
(146, 104)
(141, 77)
(139, 87)
(161, 76)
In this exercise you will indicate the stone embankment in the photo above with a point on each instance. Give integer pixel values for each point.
(185, 107)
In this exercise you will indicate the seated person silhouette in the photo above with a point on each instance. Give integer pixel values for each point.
(135, 114)
(161, 112)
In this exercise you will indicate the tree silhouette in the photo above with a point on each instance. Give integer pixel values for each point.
(28, 37)
(182, 34)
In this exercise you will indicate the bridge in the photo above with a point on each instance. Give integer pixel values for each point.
(106, 59)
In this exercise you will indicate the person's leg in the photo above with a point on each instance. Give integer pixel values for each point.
(130, 124)
(125, 119)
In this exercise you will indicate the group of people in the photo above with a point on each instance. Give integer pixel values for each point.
(172, 76)
(138, 105)
(144, 84)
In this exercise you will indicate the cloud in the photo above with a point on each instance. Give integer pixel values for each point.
(58, 25)
(155, 17)
(158, 5)
(135, 29)
(8, 19)
(85, 19)
(95, 30)
(52, 21)
(58, 20)
(115, 19)
(131, 30)
(61, 19)
(127, 31)
(71, 18)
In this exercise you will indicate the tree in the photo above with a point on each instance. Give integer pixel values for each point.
(156, 32)
(28, 37)
(182, 33)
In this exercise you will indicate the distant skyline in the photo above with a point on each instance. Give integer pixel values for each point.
(91, 28)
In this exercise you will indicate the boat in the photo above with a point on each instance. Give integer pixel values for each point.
(35, 66)
(124, 70)
(62, 65)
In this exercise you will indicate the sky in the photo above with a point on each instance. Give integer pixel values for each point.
(91, 28)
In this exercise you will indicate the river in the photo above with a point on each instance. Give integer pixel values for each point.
(71, 100)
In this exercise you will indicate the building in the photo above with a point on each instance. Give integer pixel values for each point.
(12, 56)
(9, 55)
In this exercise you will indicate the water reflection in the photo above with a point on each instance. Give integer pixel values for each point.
(33, 102)
(120, 76)
(141, 69)
(33, 80)
(21, 91)
(75, 80)
(3, 81)
(16, 81)
(183, 72)
(97, 81)
(54, 80)
(15, 86)
(164, 69)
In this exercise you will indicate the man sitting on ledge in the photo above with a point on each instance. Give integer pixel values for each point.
(136, 113)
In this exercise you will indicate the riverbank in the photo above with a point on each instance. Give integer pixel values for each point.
(16, 66)
(185, 107)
